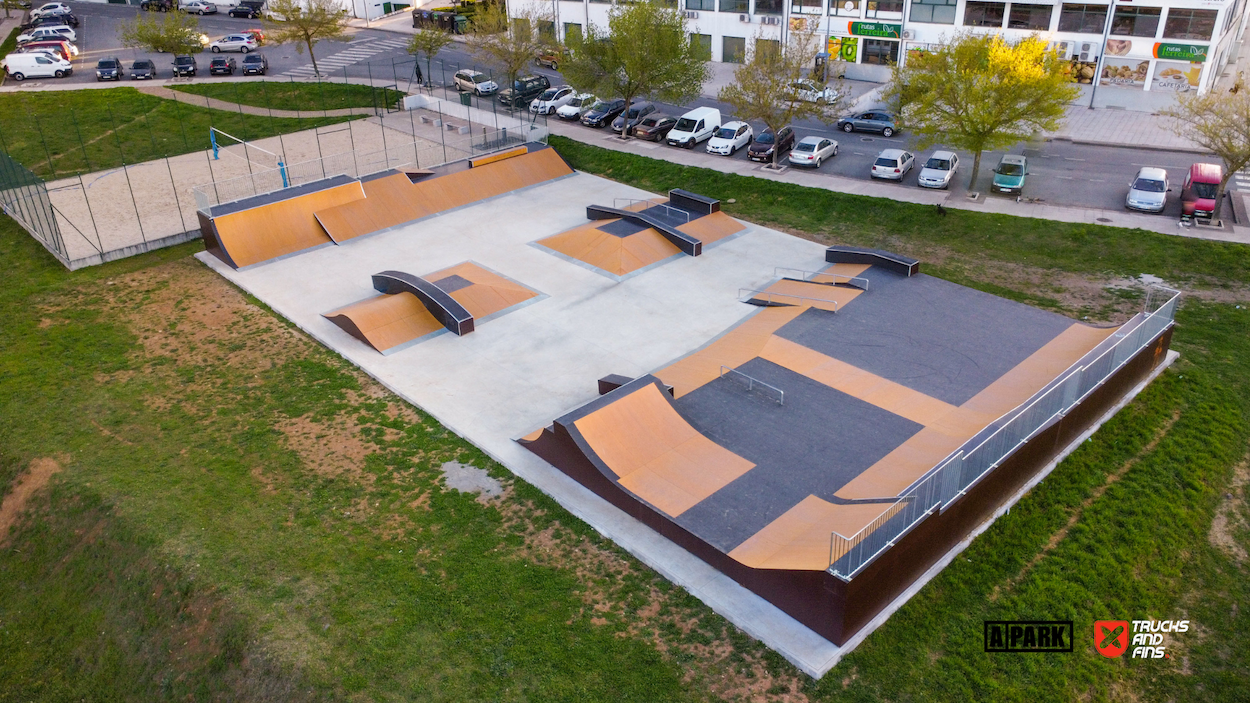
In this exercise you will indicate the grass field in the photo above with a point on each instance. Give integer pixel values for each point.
(61, 133)
(239, 514)
(293, 95)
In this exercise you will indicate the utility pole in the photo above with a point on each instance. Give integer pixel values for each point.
(1102, 52)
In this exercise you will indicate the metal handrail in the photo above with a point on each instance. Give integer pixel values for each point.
(770, 295)
(752, 382)
(650, 204)
(860, 280)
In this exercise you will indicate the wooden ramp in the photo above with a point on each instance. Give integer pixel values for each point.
(608, 252)
(486, 292)
(389, 201)
(284, 227)
(712, 228)
(386, 321)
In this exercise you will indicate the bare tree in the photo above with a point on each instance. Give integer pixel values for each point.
(428, 41)
(507, 44)
(771, 87)
(174, 33)
(305, 23)
(1219, 122)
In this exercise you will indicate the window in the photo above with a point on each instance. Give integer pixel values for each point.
(844, 8)
(1086, 19)
(935, 11)
(1136, 21)
(735, 6)
(708, 5)
(733, 49)
(880, 51)
(702, 45)
(768, 7)
(547, 30)
(1030, 17)
(767, 47)
(885, 9)
(807, 7)
(572, 32)
(984, 14)
(1189, 24)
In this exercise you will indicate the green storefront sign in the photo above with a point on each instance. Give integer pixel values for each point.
(874, 29)
(1181, 52)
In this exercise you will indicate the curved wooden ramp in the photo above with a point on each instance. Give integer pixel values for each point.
(386, 321)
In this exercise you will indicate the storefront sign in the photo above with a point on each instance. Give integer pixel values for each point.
(1124, 73)
(1181, 52)
(874, 29)
(843, 49)
(1176, 77)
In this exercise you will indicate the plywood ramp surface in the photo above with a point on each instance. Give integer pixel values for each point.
(816, 295)
(712, 228)
(285, 227)
(801, 538)
(386, 321)
(656, 454)
(735, 348)
(469, 186)
(841, 271)
(489, 293)
(615, 255)
(389, 201)
(498, 157)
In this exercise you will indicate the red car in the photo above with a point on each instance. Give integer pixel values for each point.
(1201, 186)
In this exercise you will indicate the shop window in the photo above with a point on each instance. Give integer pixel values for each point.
(768, 7)
(1136, 21)
(844, 8)
(742, 6)
(1189, 24)
(1085, 19)
(884, 9)
(807, 7)
(733, 49)
(880, 51)
(935, 11)
(708, 5)
(702, 45)
(1036, 17)
(984, 14)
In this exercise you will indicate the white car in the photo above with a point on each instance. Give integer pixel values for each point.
(474, 82)
(812, 151)
(552, 99)
(938, 171)
(52, 8)
(813, 92)
(731, 137)
(56, 33)
(577, 106)
(198, 7)
(893, 164)
(234, 42)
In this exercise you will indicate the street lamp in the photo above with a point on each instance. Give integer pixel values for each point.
(1102, 53)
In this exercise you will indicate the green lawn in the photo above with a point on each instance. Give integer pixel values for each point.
(61, 133)
(241, 514)
(296, 95)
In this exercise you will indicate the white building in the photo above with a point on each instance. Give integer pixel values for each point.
(1154, 48)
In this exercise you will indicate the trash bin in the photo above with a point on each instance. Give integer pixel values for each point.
(466, 99)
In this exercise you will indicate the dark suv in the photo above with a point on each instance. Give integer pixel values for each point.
(764, 145)
(255, 64)
(603, 112)
(222, 65)
(109, 69)
(637, 111)
(523, 91)
(250, 9)
(185, 66)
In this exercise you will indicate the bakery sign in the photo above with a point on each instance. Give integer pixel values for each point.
(874, 29)
(1181, 52)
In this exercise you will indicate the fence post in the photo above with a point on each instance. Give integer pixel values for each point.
(126, 172)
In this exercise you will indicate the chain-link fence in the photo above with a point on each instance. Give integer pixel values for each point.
(24, 197)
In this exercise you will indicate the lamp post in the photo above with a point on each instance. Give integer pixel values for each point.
(1102, 52)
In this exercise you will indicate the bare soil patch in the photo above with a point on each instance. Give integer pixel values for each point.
(1231, 516)
(29, 483)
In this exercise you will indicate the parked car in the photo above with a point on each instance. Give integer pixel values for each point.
(185, 66)
(523, 90)
(52, 8)
(731, 137)
(474, 82)
(158, 5)
(248, 9)
(142, 70)
(654, 127)
(627, 121)
(55, 32)
(694, 126)
(812, 151)
(197, 7)
(893, 164)
(603, 112)
(255, 64)
(222, 66)
(233, 42)
(1202, 184)
(765, 145)
(1149, 190)
(551, 100)
(549, 58)
(813, 92)
(577, 106)
(938, 171)
(109, 69)
(62, 48)
(871, 121)
(36, 65)
(50, 21)
(1009, 174)
(256, 34)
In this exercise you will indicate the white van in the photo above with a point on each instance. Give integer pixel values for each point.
(694, 126)
(37, 65)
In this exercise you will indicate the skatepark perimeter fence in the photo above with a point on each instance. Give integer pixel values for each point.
(951, 479)
(24, 197)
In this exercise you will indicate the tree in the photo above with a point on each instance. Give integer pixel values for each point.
(174, 33)
(982, 93)
(305, 23)
(506, 45)
(428, 41)
(768, 86)
(645, 52)
(1219, 122)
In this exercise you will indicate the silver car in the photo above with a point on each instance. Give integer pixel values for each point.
(812, 151)
(1149, 190)
(893, 164)
(938, 171)
(474, 82)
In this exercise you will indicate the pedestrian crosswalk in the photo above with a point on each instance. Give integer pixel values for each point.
(355, 53)
(1241, 179)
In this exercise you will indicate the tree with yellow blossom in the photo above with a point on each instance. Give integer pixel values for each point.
(982, 93)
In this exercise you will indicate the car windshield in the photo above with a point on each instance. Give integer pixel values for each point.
(142, 64)
(548, 95)
(648, 122)
(726, 133)
(805, 146)
(633, 111)
(480, 78)
(253, 58)
(765, 138)
(576, 102)
(107, 63)
(938, 164)
(183, 60)
(888, 163)
(1010, 170)
(1148, 185)
(685, 124)
(600, 106)
(1206, 191)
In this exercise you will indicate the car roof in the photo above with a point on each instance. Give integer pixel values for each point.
(1153, 173)
(942, 155)
(1011, 159)
(890, 154)
(812, 140)
(735, 124)
(1212, 171)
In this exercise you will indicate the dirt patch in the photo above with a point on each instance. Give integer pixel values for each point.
(1231, 518)
(330, 448)
(29, 483)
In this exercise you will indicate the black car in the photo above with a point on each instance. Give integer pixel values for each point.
(637, 111)
(222, 65)
(109, 69)
(249, 9)
(764, 145)
(185, 66)
(255, 64)
(142, 70)
(50, 21)
(523, 91)
(655, 127)
(603, 112)
(158, 5)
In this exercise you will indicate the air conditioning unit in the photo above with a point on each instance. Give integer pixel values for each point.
(770, 20)
(908, 34)
(744, 18)
(1090, 51)
(691, 15)
(1063, 47)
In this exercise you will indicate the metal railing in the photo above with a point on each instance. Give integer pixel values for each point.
(752, 294)
(955, 475)
(753, 383)
(809, 276)
(669, 211)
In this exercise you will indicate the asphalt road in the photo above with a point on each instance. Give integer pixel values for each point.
(1060, 173)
